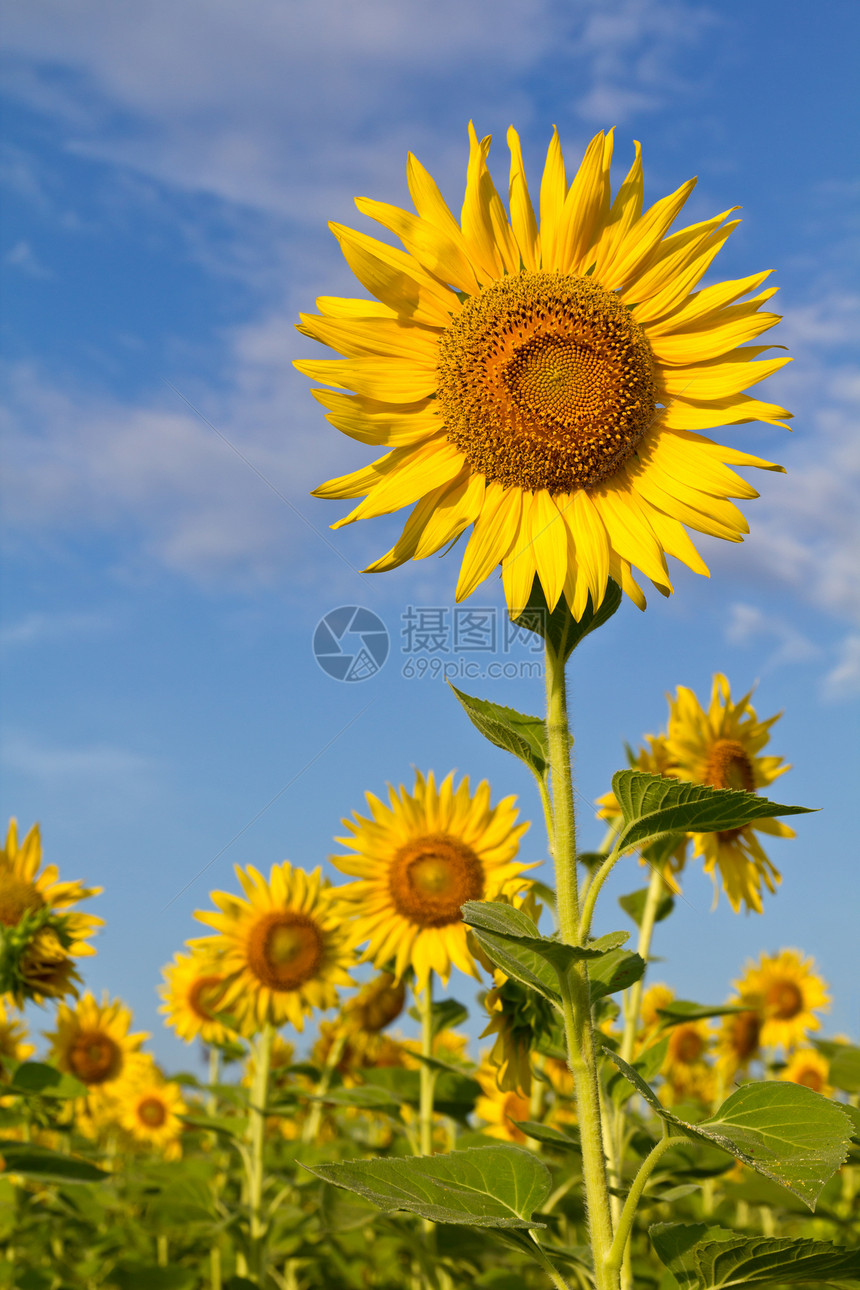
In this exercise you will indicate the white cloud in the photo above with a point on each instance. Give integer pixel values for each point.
(35, 628)
(748, 624)
(77, 767)
(22, 257)
(288, 107)
(843, 679)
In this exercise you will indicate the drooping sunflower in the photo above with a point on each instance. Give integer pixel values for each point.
(722, 747)
(92, 1041)
(808, 1067)
(545, 380)
(149, 1108)
(376, 1005)
(657, 996)
(193, 984)
(789, 992)
(40, 932)
(685, 1067)
(499, 1108)
(283, 950)
(417, 861)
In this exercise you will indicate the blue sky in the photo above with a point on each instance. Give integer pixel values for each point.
(170, 170)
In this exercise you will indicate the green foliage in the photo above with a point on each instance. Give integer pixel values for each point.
(785, 1131)
(680, 1010)
(482, 1186)
(713, 1258)
(38, 1079)
(634, 905)
(653, 807)
(559, 629)
(845, 1068)
(446, 1015)
(33, 1161)
(515, 732)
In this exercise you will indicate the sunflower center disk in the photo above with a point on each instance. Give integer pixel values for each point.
(810, 1078)
(284, 949)
(545, 381)
(729, 766)
(203, 997)
(18, 898)
(152, 1113)
(745, 1032)
(689, 1047)
(431, 877)
(95, 1057)
(785, 1000)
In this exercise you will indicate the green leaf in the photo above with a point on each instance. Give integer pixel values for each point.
(38, 1079)
(784, 1131)
(446, 1014)
(685, 1010)
(654, 806)
(144, 1276)
(614, 971)
(455, 1092)
(503, 921)
(515, 732)
(483, 1186)
(40, 1162)
(547, 1134)
(853, 1114)
(713, 1258)
(559, 629)
(366, 1096)
(845, 1068)
(634, 905)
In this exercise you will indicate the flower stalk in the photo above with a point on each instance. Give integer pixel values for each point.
(579, 1031)
(256, 1141)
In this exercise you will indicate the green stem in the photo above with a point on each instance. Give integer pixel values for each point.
(215, 1268)
(312, 1123)
(257, 1134)
(424, 1001)
(625, 1224)
(633, 1002)
(548, 1267)
(574, 987)
(214, 1077)
(593, 892)
(161, 1251)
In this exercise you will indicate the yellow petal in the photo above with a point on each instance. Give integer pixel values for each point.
(718, 380)
(624, 213)
(494, 532)
(396, 278)
(518, 567)
(433, 248)
(343, 307)
(375, 337)
(701, 344)
(394, 429)
(629, 532)
(684, 414)
(670, 274)
(644, 238)
(585, 208)
(523, 220)
(549, 538)
(427, 466)
(377, 378)
(707, 303)
(485, 225)
(553, 191)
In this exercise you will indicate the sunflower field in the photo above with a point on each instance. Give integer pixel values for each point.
(542, 376)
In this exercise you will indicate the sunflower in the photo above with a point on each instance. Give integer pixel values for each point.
(192, 989)
(13, 1034)
(283, 950)
(499, 1108)
(789, 992)
(545, 382)
(38, 928)
(150, 1108)
(376, 1005)
(421, 858)
(807, 1066)
(92, 1041)
(722, 747)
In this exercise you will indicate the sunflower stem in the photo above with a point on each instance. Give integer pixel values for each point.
(633, 997)
(312, 1123)
(256, 1136)
(576, 1003)
(214, 1077)
(424, 1002)
(637, 1187)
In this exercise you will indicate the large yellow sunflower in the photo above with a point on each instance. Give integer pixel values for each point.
(722, 747)
(193, 984)
(788, 992)
(92, 1041)
(283, 950)
(417, 861)
(499, 1107)
(545, 380)
(33, 897)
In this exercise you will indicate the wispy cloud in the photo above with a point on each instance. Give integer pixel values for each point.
(843, 679)
(749, 625)
(22, 257)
